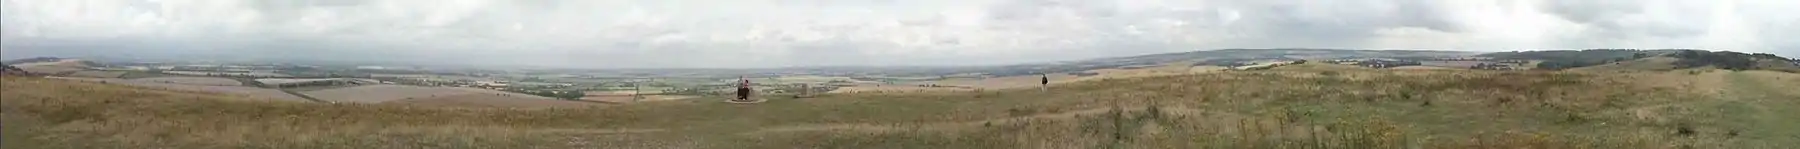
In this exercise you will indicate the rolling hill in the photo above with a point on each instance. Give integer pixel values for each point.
(1212, 57)
(54, 66)
(1665, 59)
(30, 60)
(1642, 64)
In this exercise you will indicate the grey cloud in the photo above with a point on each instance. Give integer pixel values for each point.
(1589, 11)
(724, 33)
(1609, 17)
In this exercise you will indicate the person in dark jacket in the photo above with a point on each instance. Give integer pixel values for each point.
(1045, 84)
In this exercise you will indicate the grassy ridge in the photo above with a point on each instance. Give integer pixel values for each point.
(1261, 109)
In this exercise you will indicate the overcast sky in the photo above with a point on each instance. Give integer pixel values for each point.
(779, 33)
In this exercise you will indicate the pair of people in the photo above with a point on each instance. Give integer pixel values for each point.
(743, 90)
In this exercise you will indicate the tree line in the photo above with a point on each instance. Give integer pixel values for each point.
(1563, 59)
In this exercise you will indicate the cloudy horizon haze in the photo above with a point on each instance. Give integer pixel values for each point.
(791, 33)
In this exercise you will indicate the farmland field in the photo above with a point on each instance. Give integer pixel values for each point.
(384, 93)
(56, 67)
(250, 92)
(482, 99)
(208, 81)
(98, 74)
(207, 73)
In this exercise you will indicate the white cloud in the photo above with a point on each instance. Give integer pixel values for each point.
(734, 33)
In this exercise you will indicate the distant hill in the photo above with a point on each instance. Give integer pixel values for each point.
(31, 60)
(1651, 63)
(1682, 58)
(1666, 59)
(1733, 60)
(10, 70)
(1212, 57)
(48, 67)
(1564, 59)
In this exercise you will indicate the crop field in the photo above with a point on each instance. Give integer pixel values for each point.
(247, 92)
(486, 100)
(384, 93)
(207, 81)
(97, 74)
(56, 67)
(208, 73)
(1303, 107)
(808, 79)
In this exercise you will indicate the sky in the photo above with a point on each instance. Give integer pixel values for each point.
(790, 33)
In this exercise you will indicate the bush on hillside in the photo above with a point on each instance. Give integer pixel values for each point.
(1722, 59)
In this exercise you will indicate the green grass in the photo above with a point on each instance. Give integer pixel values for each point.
(1248, 109)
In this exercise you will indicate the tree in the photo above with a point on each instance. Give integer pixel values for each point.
(571, 95)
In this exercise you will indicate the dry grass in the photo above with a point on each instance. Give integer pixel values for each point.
(1009, 82)
(1240, 109)
(896, 89)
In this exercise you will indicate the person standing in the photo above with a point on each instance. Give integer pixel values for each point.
(1044, 86)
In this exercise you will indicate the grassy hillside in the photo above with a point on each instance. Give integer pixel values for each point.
(1644, 64)
(1240, 109)
(1683, 58)
(30, 60)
